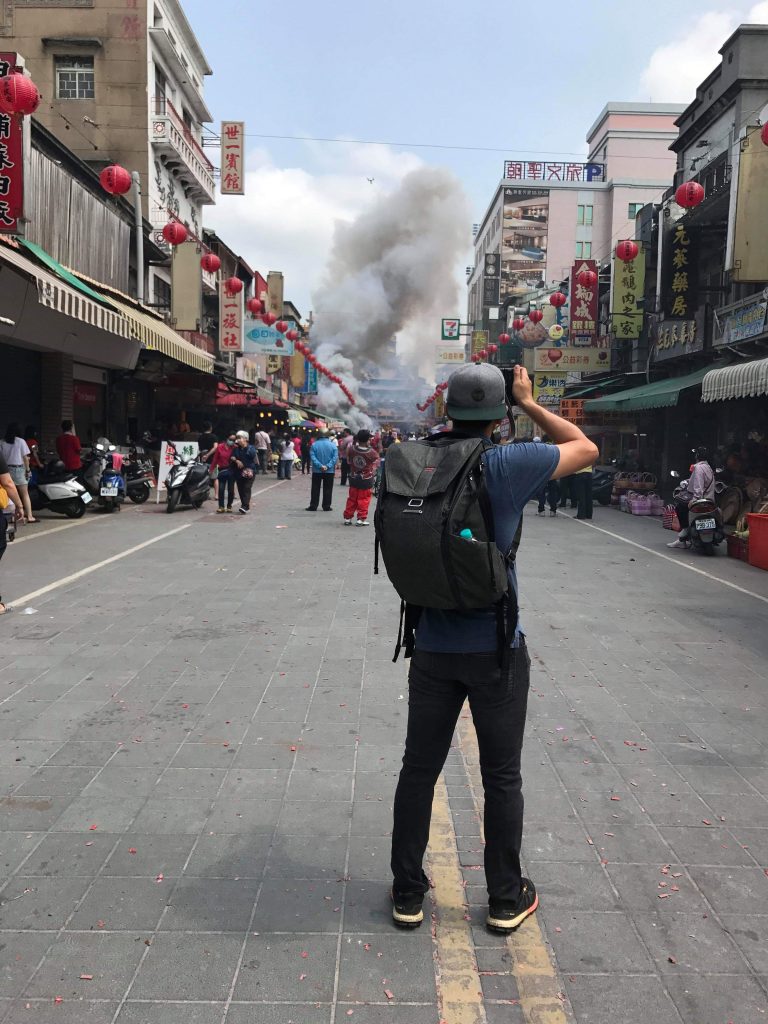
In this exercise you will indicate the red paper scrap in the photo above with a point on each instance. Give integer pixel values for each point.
(86, 977)
(93, 828)
(388, 994)
(132, 849)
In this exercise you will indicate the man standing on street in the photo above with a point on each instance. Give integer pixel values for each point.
(457, 657)
(262, 443)
(244, 462)
(324, 455)
(345, 444)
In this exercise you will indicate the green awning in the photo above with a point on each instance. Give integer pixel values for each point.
(590, 388)
(660, 395)
(64, 274)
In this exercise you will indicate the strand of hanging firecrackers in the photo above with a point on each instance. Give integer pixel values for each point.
(441, 387)
(312, 359)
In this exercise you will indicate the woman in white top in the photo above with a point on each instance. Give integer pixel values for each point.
(287, 455)
(15, 451)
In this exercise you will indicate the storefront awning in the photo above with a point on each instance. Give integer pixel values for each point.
(156, 335)
(660, 395)
(590, 389)
(743, 380)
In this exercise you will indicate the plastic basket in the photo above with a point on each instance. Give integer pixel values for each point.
(758, 540)
(738, 547)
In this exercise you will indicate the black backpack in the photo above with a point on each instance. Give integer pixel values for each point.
(430, 491)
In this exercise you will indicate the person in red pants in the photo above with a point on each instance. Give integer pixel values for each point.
(363, 461)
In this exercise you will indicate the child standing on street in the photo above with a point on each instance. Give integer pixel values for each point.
(363, 461)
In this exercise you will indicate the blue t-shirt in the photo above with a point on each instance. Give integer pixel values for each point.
(514, 473)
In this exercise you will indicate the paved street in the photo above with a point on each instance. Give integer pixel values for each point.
(199, 741)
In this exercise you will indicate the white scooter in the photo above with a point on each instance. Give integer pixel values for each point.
(58, 490)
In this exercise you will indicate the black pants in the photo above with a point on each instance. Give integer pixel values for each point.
(683, 514)
(582, 490)
(306, 463)
(567, 492)
(438, 686)
(226, 488)
(244, 488)
(261, 454)
(344, 472)
(550, 494)
(326, 479)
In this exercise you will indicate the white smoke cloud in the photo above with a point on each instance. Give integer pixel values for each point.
(391, 272)
(676, 68)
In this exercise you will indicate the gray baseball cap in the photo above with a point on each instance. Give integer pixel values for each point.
(477, 392)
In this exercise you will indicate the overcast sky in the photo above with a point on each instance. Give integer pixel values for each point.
(523, 79)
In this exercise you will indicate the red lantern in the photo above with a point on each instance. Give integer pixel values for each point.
(269, 319)
(627, 250)
(233, 286)
(210, 263)
(475, 358)
(174, 233)
(493, 348)
(254, 306)
(557, 299)
(764, 135)
(689, 194)
(483, 353)
(115, 180)
(292, 335)
(587, 279)
(535, 316)
(18, 94)
(518, 323)
(281, 326)
(504, 339)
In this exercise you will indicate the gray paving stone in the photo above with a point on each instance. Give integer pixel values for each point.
(35, 903)
(731, 890)
(19, 956)
(277, 1013)
(273, 966)
(405, 969)
(684, 943)
(704, 845)
(598, 943)
(151, 856)
(73, 1010)
(14, 848)
(70, 855)
(123, 904)
(110, 959)
(199, 968)
(240, 815)
(600, 1000)
(159, 816)
(718, 998)
(210, 904)
(307, 905)
(171, 1013)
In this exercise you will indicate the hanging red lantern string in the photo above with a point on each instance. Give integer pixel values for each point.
(233, 286)
(535, 316)
(18, 94)
(557, 299)
(518, 323)
(587, 279)
(115, 180)
(493, 349)
(504, 339)
(689, 194)
(281, 326)
(254, 306)
(174, 233)
(627, 250)
(269, 319)
(210, 263)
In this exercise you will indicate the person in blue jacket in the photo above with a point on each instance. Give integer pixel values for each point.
(324, 455)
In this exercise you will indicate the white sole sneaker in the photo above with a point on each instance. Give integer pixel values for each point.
(362, 522)
(347, 522)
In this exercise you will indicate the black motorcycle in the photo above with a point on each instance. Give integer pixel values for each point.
(139, 475)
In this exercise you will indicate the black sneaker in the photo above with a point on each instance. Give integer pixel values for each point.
(504, 918)
(406, 911)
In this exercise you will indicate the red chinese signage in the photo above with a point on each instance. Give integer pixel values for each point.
(232, 158)
(230, 321)
(11, 159)
(583, 303)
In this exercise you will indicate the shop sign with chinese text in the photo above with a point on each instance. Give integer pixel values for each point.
(232, 158)
(310, 379)
(628, 285)
(583, 360)
(451, 329)
(540, 170)
(450, 354)
(186, 449)
(677, 338)
(230, 322)
(549, 388)
(479, 341)
(680, 283)
(583, 304)
(266, 341)
(742, 324)
(11, 159)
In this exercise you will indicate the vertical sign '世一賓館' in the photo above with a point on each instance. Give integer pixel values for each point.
(232, 158)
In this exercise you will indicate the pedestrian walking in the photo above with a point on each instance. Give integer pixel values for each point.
(15, 451)
(244, 461)
(262, 444)
(221, 463)
(363, 463)
(477, 650)
(297, 448)
(306, 458)
(287, 455)
(346, 442)
(324, 455)
(68, 447)
(8, 493)
(550, 492)
(581, 484)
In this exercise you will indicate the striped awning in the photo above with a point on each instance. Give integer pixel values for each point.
(55, 294)
(743, 380)
(156, 335)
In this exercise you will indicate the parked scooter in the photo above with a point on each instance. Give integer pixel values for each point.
(602, 484)
(139, 476)
(102, 477)
(59, 490)
(705, 522)
(188, 481)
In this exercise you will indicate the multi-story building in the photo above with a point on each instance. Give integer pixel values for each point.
(124, 84)
(545, 214)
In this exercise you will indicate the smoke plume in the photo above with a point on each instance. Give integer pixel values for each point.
(391, 273)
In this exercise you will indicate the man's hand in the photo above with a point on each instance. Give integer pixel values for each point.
(522, 387)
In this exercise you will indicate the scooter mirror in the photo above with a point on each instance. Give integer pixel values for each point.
(99, 447)
(674, 473)
(113, 447)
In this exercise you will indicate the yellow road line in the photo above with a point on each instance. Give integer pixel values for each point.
(458, 982)
(534, 970)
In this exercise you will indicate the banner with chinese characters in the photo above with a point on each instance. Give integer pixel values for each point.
(677, 338)
(680, 278)
(11, 160)
(479, 341)
(232, 158)
(168, 451)
(549, 388)
(266, 341)
(628, 285)
(583, 304)
(230, 321)
(450, 354)
(583, 360)
(548, 170)
(310, 375)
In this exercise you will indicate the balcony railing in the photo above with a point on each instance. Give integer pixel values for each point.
(170, 130)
